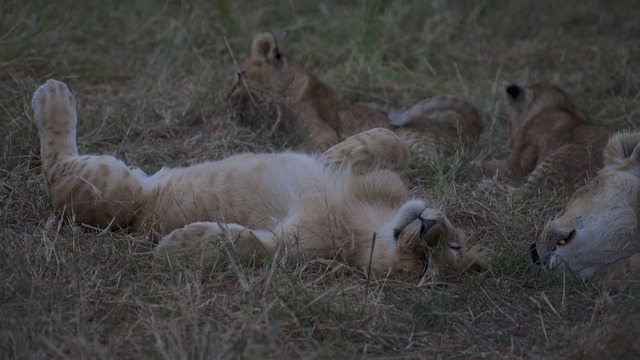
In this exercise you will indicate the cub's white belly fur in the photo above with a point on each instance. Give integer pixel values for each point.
(272, 187)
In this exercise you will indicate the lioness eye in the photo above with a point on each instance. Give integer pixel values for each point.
(566, 240)
(277, 55)
(570, 237)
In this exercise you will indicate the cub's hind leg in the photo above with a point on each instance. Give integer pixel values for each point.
(97, 190)
(370, 150)
(209, 238)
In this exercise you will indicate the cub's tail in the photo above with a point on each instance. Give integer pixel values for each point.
(469, 126)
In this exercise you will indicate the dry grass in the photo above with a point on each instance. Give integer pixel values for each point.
(150, 80)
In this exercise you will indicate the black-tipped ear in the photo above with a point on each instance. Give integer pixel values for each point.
(514, 91)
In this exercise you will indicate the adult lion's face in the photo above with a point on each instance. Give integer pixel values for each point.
(599, 224)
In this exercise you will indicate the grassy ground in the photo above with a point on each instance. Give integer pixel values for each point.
(150, 79)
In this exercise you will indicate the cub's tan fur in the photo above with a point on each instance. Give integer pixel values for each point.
(266, 72)
(550, 136)
(331, 206)
(597, 234)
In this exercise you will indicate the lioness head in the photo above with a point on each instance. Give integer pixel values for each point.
(599, 224)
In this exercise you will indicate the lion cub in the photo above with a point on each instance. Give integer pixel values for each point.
(347, 204)
(268, 80)
(549, 136)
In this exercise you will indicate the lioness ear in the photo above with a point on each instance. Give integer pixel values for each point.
(265, 46)
(632, 164)
(623, 150)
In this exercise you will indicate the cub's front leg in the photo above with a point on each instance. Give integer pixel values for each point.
(208, 238)
(97, 190)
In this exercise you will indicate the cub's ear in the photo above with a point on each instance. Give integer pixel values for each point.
(265, 47)
(623, 152)
(514, 92)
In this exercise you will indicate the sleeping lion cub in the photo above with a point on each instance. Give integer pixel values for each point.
(348, 203)
(271, 85)
(550, 136)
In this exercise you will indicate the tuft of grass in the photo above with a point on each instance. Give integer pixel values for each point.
(150, 81)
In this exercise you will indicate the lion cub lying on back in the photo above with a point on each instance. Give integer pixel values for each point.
(269, 77)
(347, 204)
(549, 135)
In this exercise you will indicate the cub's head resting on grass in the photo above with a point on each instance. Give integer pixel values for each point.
(597, 235)
(348, 204)
(270, 85)
(550, 138)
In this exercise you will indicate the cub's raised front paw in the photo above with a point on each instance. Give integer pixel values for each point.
(54, 107)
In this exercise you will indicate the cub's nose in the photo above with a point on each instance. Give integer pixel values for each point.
(534, 254)
(426, 225)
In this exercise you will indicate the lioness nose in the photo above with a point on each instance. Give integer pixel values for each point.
(534, 254)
